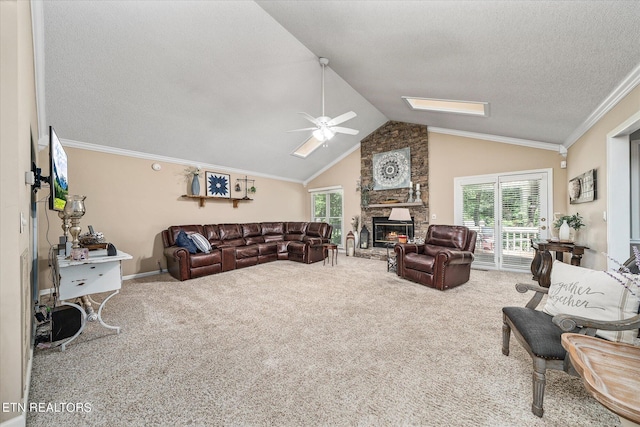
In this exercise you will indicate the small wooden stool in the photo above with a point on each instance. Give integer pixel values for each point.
(326, 247)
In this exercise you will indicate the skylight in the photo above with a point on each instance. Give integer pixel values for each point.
(307, 147)
(448, 106)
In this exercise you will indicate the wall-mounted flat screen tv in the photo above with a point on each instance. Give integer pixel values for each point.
(58, 173)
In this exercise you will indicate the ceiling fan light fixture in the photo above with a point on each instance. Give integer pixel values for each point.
(472, 108)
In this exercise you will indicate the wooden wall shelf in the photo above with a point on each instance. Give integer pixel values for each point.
(202, 199)
(393, 205)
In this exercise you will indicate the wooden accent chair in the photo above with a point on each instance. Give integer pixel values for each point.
(540, 334)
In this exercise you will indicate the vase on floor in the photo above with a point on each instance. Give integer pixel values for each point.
(195, 186)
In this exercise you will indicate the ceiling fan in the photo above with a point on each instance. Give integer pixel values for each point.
(326, 127)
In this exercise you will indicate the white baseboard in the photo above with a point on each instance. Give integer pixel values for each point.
(19, 421)
(140, 275)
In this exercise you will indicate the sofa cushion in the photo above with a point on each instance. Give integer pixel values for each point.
(229, 232)
(267, 248)
(210, 231)
(592, 294)
(184, 242)
(316, 229)
(447, 235)
(201, 242)
(246, 251)
(253, 240)
(271, 228)
(251, 230)
(202, 260)
(295, 231)
(419, 262)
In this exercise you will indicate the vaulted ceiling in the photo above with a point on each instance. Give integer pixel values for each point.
(218, 83)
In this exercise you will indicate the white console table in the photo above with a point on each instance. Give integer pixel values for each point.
(97, 274)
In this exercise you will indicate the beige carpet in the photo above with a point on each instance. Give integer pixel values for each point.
(305, 345)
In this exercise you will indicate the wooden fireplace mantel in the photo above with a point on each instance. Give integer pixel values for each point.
(393, 205)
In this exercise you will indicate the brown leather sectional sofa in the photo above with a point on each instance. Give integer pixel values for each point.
(242, 245)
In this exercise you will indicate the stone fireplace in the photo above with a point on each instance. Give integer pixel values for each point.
(394, 136)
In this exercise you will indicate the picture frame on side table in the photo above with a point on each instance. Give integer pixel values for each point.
(218, 185)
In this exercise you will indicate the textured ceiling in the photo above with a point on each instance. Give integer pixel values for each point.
(220, 82)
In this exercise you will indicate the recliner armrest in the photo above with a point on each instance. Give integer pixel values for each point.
(454, 256)
(176, 252)
(405, 248)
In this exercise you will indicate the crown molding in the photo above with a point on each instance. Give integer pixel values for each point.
(626, 85)
(495, 138)
(330, 165)
(165, 159)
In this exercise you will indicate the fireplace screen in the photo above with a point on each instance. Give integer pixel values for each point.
(385, 231)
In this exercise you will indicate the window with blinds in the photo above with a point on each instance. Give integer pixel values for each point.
(326, 206)
(478, 213)
(520, 216)
(507, 212)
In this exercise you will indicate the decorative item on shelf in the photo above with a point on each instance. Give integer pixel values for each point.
(569, 227)
(238, 189)
(364, 190)
(410, 199)
(417, 198)
(364, 237)
(249, 186)
(74, 209)
(191, 175)
(351, 244)
(218, 185)
(93, 240)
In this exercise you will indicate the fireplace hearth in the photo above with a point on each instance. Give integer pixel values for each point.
(386, 231)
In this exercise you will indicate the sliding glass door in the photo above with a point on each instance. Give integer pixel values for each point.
(507, 211)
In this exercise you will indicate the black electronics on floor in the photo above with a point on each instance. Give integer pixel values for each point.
(65, 322)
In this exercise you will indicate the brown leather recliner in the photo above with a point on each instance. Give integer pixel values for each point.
(443, 261)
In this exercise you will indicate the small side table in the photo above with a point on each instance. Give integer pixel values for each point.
(100, 273)
(326, 247)
(392, 261)
(610, 372)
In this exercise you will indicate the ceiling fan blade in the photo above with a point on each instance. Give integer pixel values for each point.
(342, 118)
(299, 130)
(348, 131)
(310, 118)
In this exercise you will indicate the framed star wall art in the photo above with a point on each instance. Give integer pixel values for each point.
(218, 185)
(392, 169)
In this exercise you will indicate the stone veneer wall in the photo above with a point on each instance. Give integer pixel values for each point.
(392, 136)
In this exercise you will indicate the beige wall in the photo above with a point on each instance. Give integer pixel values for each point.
(131, 204)
(590, 152)
(345, 173)
(18, 121)
(454, 156)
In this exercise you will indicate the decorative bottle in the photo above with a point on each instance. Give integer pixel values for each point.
(195, 186)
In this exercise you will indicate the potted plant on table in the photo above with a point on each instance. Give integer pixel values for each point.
(568, 227)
